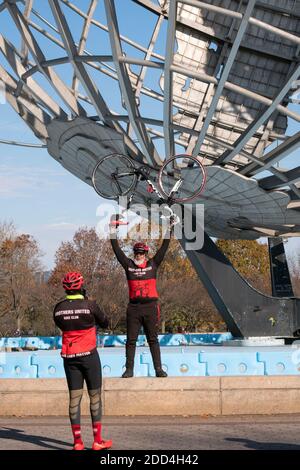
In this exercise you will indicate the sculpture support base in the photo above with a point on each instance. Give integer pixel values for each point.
(246, 311)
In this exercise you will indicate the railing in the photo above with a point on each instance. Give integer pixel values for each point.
(54, 342)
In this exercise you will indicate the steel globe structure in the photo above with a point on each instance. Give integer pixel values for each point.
(216, 79)
(210, 78)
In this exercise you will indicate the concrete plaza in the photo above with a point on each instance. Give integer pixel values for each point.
(280, 432)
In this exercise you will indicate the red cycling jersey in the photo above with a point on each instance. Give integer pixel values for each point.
(78, 318)
(141, 279)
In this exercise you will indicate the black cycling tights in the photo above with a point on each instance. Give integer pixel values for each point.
(78, 370)
(148, 316)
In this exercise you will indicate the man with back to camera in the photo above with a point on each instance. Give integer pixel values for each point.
(143, 308)
(77, 318)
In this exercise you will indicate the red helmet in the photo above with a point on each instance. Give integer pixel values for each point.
(140, 247)
(72, 281)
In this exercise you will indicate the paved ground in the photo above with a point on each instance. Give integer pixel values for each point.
(158, 433)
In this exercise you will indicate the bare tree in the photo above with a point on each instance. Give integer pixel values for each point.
(112, 297)
(19, 260)
(104, 278)
(86, 253)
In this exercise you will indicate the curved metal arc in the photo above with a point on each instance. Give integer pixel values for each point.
(32, 44)
(126, 87)
(225, 74)
(168, 83)
(92, 91)
(22, 144)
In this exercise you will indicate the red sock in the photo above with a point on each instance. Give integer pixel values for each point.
(97, 432)
(76, 430)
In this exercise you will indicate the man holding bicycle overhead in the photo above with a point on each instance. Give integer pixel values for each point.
(143, 308)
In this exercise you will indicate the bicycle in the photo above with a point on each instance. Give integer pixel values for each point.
(182, 172)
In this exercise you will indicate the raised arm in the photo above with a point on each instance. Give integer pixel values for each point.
(160, 254)
(120, 255)
(113, 228)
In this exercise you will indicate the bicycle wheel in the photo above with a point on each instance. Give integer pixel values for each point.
(182, 178)
(114, 176)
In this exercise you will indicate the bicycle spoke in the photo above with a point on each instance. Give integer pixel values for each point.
(182, 178)
(119, 170)
(115, 180)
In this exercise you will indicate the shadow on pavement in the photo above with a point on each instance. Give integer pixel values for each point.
(264, 445)
(40, 441)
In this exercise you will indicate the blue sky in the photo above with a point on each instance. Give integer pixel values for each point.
(36, 193)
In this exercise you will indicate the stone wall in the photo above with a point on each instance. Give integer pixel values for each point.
(173, 396)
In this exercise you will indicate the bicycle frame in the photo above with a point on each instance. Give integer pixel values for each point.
(144, 175)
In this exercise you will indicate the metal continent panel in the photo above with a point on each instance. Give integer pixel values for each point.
(220, 90)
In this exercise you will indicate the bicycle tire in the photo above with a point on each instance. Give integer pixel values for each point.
(202, 177)
(101, 171)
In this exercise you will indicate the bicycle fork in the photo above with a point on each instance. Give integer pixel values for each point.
(164, 202)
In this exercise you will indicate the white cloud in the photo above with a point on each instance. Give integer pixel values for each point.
(61, 226)
(17, 181)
